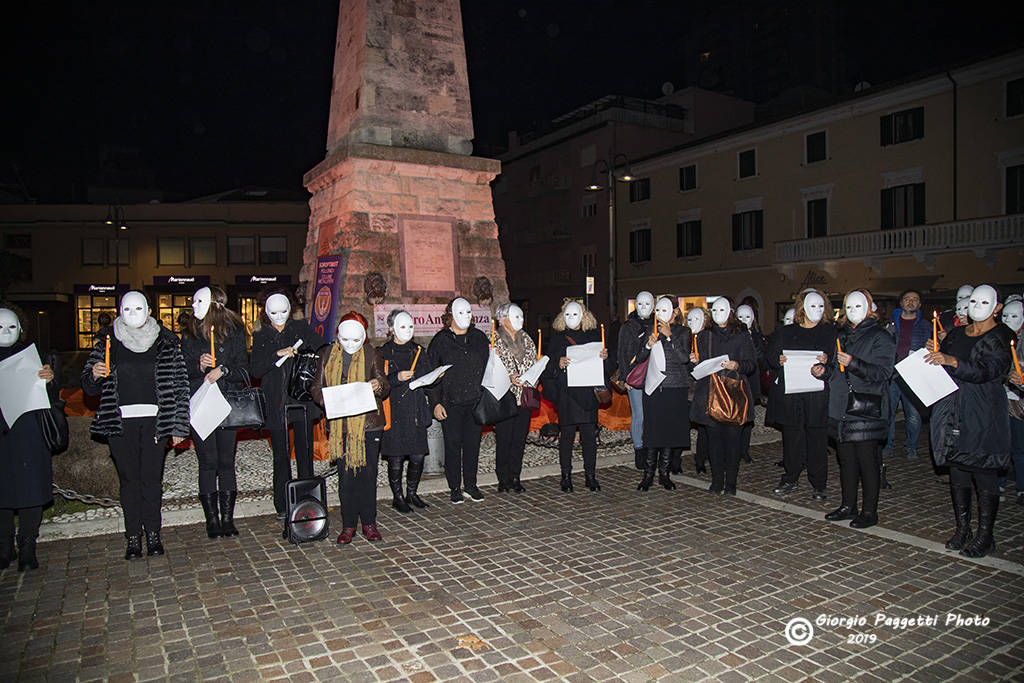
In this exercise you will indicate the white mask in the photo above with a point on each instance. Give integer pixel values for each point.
(982, 303)
(856, 307)
(695, 320)
(201, 302)
(961, 307)
(515, 317)
(720, 311)
(134, 309)
(573, 315)
(814, 307)
(964, 292)
(462, 314)
(746, 315)
(664, 310)
(403, 327)
(789, 317)
(10, 328)
(644, 305)
(278, 308)
(1013, 315)
(351, 336)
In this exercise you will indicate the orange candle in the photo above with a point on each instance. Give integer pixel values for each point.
(696, 351)
(213, 351)
(936, 314)
(1016, 363)
(413, 360)
(492, 332)
(106, 356)
(839, 348)
(538, 343)
(935, 330)
(386, 366)
(602, 335)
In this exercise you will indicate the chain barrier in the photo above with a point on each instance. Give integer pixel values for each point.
(86, 498)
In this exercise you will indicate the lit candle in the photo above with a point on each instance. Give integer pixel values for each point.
(1016, 363)
(492, 332)
(696, 351)
(839, 348)
(213, 351)
(538, 343)
(106, 356)
(602, 335)
(418, 349)
(935, 330)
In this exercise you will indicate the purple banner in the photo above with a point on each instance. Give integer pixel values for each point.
(325, 296)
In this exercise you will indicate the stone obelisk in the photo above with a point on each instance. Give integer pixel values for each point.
(400, 209)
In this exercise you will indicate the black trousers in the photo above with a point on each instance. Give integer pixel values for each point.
(588, 439)
(805, 446)
(700, 455)
(357, 488)
(984, 479)
(140, 466)
(860, 461)
(29, 520)
(509, 444)
(724, 454)
(461, 446)
(216, 461)
(283, 458)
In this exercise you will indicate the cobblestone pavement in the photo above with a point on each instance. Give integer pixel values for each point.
(609, 585)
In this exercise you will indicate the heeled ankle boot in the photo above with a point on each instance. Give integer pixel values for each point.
(395, 481)
(227, 513)
(984, 543)
(650, 465)
(27, 553)
(133, 547)
(154, 546)
(639, 457)
(675, 461)
(412, 484)
(566, 483)
(664, 463)
(962, 513)
(209, 503)
(591, 480)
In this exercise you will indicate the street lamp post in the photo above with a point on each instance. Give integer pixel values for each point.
(115, 217)
(603, 166)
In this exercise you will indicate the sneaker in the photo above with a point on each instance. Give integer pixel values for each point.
(785, 487)
(819, 494)
(456, 496)
(473, 494)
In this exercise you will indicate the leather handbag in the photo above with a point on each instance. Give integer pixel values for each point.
(248, 405)
(305, 367)
(617, 383)
(862, 404)
(490, 410)
(603, 395)
(530, 398)
(53, 423)
(727, 401)
(638, 374)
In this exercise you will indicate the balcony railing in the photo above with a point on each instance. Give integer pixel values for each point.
(977, 233)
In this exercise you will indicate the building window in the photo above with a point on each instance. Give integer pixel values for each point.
(902, 126)
(588, 260)
(688, 239)
(92, 251)
(18, 241)
(1015, 97)
(903, 206)
(1015, 189)
(748, 230)
(273, 251)
(89, 309)
(747, 162)
(640, 245)
(817, 217)
(588, 207)
(170, 251)
(118, 251)
(688, 177)
(241, 250)
(640, 189)
(202, 251)
(816, 147)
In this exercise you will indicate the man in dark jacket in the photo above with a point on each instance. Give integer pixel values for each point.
(911, 330)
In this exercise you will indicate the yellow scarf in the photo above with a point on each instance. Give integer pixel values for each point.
(355, 426)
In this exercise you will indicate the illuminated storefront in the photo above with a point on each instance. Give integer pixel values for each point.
(95, 308)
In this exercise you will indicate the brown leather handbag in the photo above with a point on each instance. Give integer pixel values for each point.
(728, 403)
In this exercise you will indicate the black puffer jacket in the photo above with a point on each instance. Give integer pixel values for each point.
(171, 381)
(632, 338)
(719, 341)
(467, 354)
(972, 426)
(873, 351)
(796, 410)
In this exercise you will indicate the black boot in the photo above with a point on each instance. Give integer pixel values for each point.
(133, 547)
(154, 546)
(7, 551)
(983, 543)
(517, 485)
(27, 553)
(227, 512)
(395, 480)
(412, 484)
(209, 502)
(591, 480)
(650, 466)
(885, 482)
(664, 463)
(962, 513)
(639, 456)
(566, 483)
(675, 461)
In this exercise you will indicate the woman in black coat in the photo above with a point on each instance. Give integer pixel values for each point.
(404, 361)
(971, 427)
(218, 484)
(865, 365)
(26, 476)
(726, 336)
(803, 417)
(276, 339)
(698, 319)
(745, 314)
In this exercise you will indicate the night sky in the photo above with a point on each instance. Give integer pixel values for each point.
(210, 95)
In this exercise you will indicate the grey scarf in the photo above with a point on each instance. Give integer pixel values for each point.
(137, 339)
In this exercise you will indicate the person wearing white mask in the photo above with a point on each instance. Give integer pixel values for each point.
(698, 319)
(218, 485)
(971, 427)
(281, 335)
(632, 337)
(745, 314)
(1013, 317)
(577, 406)
(404, 361)
(518, 353)
(858, 405)
(803, 417)
(26, 475)
(789, 317)
(726, 337)
(957, 316)
(453, 398)
(143, 404)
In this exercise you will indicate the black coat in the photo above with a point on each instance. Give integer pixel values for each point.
(798, 410)
(274, 380)
(677, 348)
(576, 405)
(873, 351)
(26, 473)
(972, 426)
(760, 348)
(719, 341)
(632, 338)
(232, 357)
(467, 354)
(410, 410)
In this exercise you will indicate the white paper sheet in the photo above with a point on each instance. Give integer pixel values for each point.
(929, 382)
(429, 378)
(708, 367)
(532, 376)
(21, 389)
(207, 409)
(797, 372)
(655, 369)
(346, 400)
(282, 359)
(496, 379)
(586, 369)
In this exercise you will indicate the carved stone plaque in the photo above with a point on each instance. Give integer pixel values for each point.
(428, 249)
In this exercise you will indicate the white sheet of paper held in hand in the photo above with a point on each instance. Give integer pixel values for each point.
(708, 367)
(532, 376)
(346, 400)
(427, 379)
(282, 359)
(655, 369)
(496, 379)
(207, 409)
(929, 382)
(21, 388)
(586, 369)
(797, 372)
